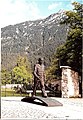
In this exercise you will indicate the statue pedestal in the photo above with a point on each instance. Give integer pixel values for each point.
(42, 101)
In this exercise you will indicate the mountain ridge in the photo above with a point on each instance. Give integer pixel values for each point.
(38, 38)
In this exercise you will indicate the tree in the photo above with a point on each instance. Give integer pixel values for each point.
(5, 76)
(22, 72)
(53, 71)
(71, 52)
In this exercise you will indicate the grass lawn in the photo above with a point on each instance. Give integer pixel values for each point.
(10, 92)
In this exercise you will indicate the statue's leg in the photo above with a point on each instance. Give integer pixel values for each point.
(34, 87)
(43, 88)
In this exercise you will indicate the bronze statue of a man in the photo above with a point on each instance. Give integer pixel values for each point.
(39, 77)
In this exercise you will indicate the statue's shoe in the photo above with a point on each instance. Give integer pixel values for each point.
(45, 96)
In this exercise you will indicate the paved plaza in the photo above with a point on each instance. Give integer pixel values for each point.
(13, 107)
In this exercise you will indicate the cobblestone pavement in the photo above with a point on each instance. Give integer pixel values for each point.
(13, 107)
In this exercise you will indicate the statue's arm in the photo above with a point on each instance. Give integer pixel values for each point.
(35, 72)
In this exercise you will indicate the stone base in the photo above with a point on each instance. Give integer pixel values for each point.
(69, 82)
(42, 101)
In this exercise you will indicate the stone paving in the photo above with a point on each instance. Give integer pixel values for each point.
(13, 107)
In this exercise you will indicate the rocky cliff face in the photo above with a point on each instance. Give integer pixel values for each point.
(33, 38)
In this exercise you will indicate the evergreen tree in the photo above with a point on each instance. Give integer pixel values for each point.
(71, 52)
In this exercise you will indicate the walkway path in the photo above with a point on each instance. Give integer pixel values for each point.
(13, 107)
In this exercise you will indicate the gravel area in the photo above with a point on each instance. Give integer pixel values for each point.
(13, 107)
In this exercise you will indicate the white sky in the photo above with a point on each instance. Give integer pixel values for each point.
(17, 11)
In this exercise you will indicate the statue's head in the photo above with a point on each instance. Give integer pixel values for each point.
(40, 61)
